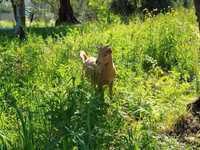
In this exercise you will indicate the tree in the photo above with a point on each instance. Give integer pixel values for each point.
(123, 7)
(197, 8)
(66, 14)
(19, 15)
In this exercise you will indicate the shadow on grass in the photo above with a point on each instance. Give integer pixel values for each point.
(8, 33)
(78, 119)
(49, 31)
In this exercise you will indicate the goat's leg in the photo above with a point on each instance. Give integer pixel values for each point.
(82, 75)
(110, 89)
(100, 90)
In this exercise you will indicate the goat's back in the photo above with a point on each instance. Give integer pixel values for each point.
(90, 68)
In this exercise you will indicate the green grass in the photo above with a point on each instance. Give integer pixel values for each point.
(44, 104)
(6, 24)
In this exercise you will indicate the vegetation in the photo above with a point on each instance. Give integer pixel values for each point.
(45, 103)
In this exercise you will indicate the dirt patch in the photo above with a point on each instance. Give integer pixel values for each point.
(187, 128)
(187, 125)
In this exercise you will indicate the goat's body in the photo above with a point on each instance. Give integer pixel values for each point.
(107, 74)
(90, 68)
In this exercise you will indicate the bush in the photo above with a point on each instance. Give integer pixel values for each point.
(123, 7)
(156, 4)
(128, 7)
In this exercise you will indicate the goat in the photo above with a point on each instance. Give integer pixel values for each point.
(101, 70)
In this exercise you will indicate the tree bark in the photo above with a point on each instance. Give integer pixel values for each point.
(19, 15)
(197, 9)
(66, 14)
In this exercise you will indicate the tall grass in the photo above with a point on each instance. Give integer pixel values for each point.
(45, 104)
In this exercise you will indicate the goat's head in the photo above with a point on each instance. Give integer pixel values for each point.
(104, 55)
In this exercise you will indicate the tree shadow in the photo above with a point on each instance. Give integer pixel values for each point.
(45, 32)
(6, 32)
(49, 31)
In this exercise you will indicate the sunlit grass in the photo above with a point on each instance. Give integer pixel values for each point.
(6, 24)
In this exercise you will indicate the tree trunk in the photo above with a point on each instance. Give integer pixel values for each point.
(66, 14)
(197, 8)
(19, 14)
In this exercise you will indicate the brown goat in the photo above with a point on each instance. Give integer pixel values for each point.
(101, 70)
